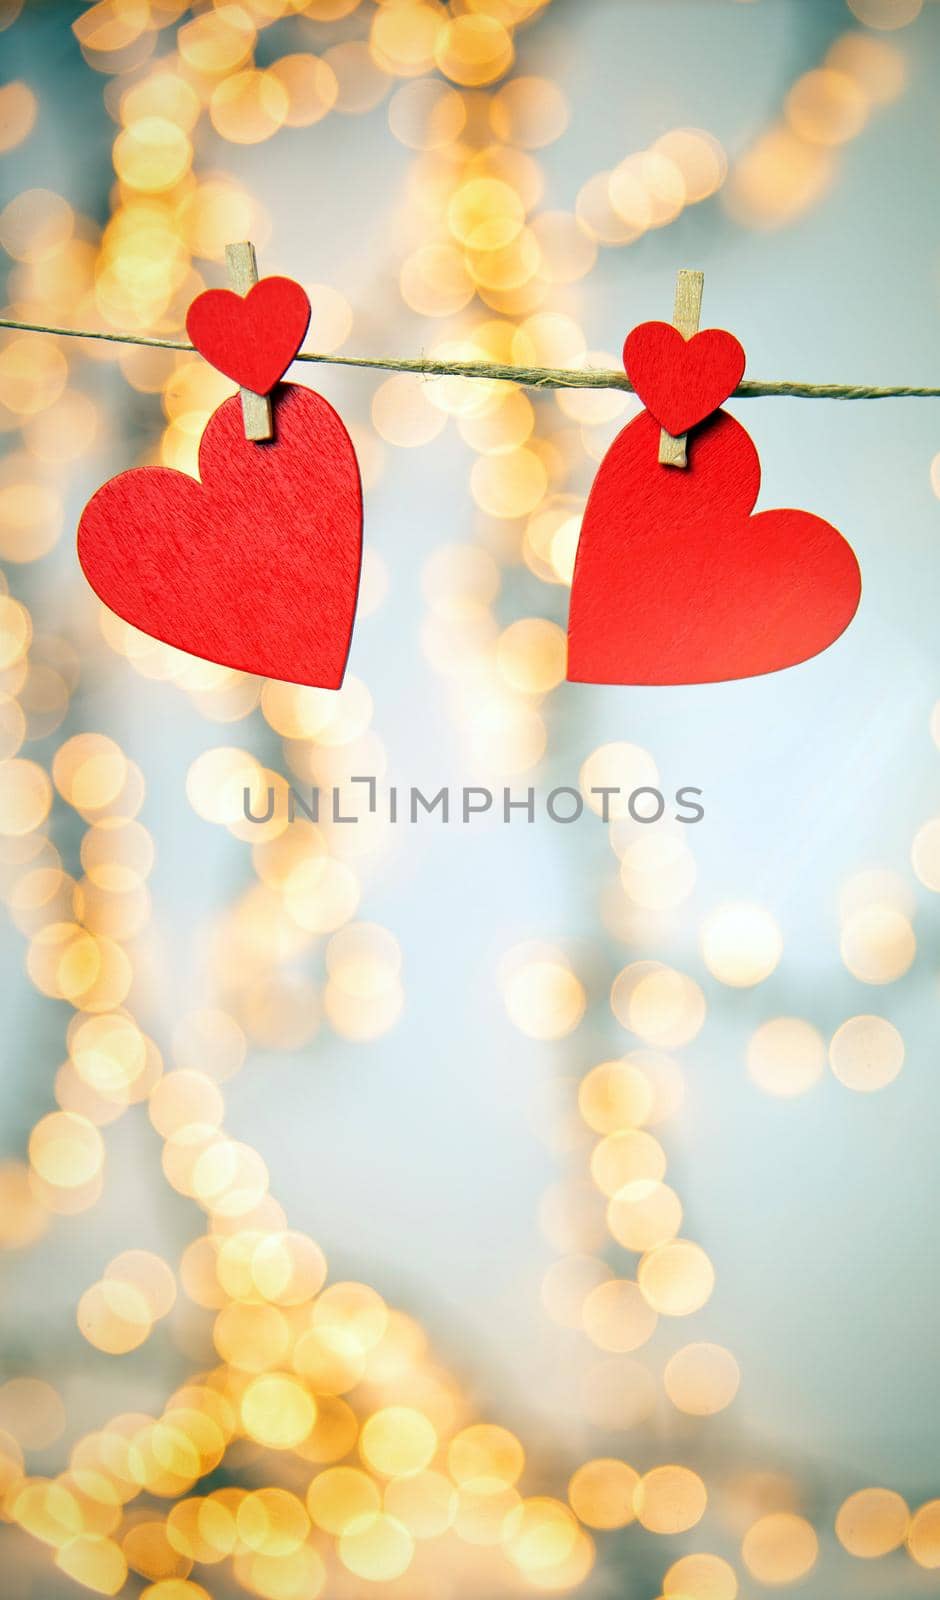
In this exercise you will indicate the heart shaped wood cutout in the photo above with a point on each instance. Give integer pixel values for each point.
(252, 338)
(682, 381)
(676, 582)
(256, 566)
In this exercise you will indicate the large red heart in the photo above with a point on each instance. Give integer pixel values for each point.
(252, 338)
(682, 381)
(675, 581)
(256, 566)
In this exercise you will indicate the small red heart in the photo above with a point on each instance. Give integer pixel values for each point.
(675, 582)
(256, 566)
(682, 381)
(252, 338)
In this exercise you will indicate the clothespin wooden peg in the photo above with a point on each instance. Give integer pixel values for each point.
(685, 317)
(243, 275)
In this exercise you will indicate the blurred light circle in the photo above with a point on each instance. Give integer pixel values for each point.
(875, 65)
(340, 1496)
(277, 1411)
(403, 414)
(544, 999)
(376, 1547)
(618, 1317)
(701, 1379)
(541, 1533)
(669, 1499)
(25, 797)
(35, 225)
(272, 1521)
(661, 1005)
(249, 107)
(114, 1317)
(485, 1453)
(615, 1095)
(152, 154)
(473, 50)
(886, 13)
(601, 1493)
(780, 1548)
(866, 1053)
(218, 41)
(16, 631)
(424, 1503)
(66, 1150)
(362, 83)
(701, 1577)
(827, 107)
(699, 158)
(426, 115)
(644, 1214)
(32, 1411)
(676, 1278)
(872, 1523)
(397, 1440)
(777, 179)
(621, 768)
(741, 944)
(18, 107)
(311, 88)
(925, 854)
(403, 37)
(625, 1157)
(923, 1539)
(786, 1056)
(529, 112)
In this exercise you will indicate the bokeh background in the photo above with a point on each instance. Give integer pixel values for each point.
(469, 1210)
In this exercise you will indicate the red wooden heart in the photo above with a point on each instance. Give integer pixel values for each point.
(257, 565)
(252, 338)
(682, 381)
(675, 581)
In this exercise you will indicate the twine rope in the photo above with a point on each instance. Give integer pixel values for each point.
(526, 377)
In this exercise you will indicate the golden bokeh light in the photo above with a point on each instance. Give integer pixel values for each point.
(376, 1547)
(701, 1577)
(866, 1053)
(872, 1523)
(397, 1441)
(601, 1493)
(544, 998)
(669, 1499)
(659, 1004)
(676, 1278)
(923, 1537)
(618, 1317)
(878, 944)
(277, 1411)
(779, 1548)
(786, 1056)
(18, 111)
(741, 944)
(342, 1496)
(701, 1379)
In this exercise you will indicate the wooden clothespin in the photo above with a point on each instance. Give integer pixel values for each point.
(243, 275)
(686, 313)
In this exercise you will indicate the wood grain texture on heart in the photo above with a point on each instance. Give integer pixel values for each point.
(252, 338)
(682, 381)
(256, 564)
(676, 582)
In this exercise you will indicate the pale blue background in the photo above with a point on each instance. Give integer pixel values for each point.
(416, 1162)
